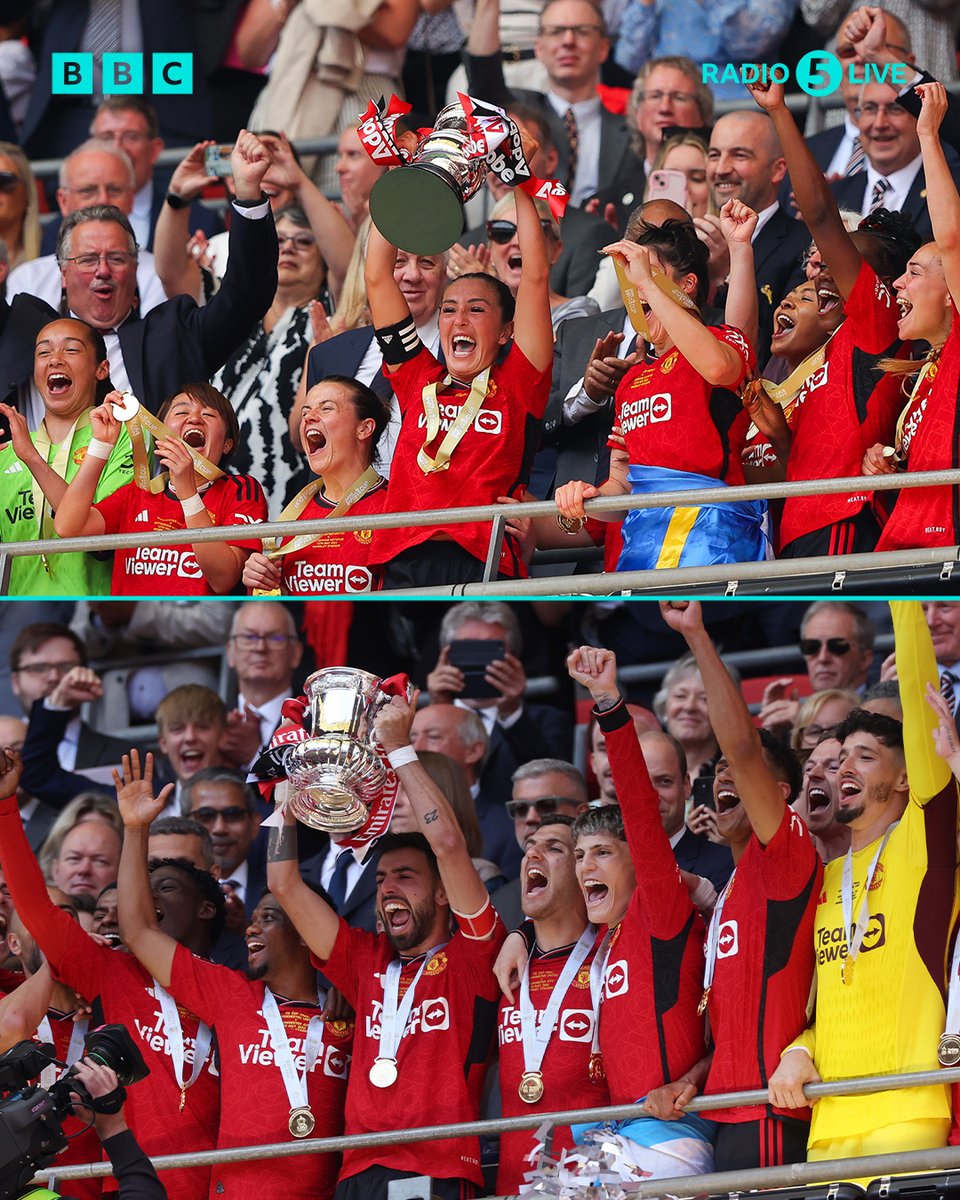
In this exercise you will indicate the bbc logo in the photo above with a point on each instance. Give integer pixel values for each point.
(171, 74)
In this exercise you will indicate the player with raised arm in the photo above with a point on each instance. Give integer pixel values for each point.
(883, 925)
(425, 998)
(759, 960)
(273, 1043)
(176, 1109)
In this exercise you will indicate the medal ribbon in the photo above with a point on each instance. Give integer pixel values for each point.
(846, 898)
(463, 421)
(173, 1031)
(789, 389)
(537, 1038)
(631, 297)
(395, 1016)
(294, 1084)
(48, 1076)
(713, 934)
(354, 493)
(953, 992)
(139, 420)
(927, 372)
(44, 445)
(597, 971)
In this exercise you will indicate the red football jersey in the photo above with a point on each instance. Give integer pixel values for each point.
(492, 459)
(84, 1144)
(564, 1067)
(336, 563)
(843, 408)
(127, 998)
(174, 570)
(765, 962)
(650, 1031)
(672, 417)
(442, 1057)
(931, 442)
(255, 1107)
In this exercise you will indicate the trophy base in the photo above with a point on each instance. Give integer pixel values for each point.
(330, 809)
(417, 209)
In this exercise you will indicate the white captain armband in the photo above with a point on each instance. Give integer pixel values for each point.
(479, 925)
(398, 343)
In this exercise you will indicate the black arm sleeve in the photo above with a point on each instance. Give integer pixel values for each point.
(485, 79)
(132, 1169)
(43, 777)
(950, 129)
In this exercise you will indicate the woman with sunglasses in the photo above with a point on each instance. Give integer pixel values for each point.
(469, 428)
(846, 405)
(270, 363)
(927, 295)
(507, 260)
(19, 209)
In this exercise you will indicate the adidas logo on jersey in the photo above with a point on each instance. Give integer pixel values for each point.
(14, 468)
(144, 515)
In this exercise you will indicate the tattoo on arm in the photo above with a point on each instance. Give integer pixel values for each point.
(282, 846)
(430, 817)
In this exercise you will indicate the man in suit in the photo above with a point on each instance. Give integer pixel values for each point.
(356, 353)
(583, 234)
(943, 621)
(37, 818)
(177, 341)
(44, 659)
(593, 144)
(894, 177)
(745, 162)
(55, 123)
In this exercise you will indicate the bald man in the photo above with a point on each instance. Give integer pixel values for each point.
(745, 162)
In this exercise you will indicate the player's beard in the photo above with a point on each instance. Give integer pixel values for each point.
(421, 920)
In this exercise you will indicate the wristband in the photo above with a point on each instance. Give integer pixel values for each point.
(398, 343)
(192, 505)
(400, 757)
(177, 202)
(479, 925)
(99, 449)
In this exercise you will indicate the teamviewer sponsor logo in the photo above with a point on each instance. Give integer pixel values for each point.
(646, 410)
(576, 1025)
(616, 979)
(428, 1017)
(488, 422)
(832, 943)
(336, 1063)
(728, 940)
(164, 562)
(312, 577)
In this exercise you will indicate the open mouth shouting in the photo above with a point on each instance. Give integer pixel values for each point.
(595, 892)
(536, 882)
(194, 437)
(314, 439)
(58, 382)
(398, 917)
(462, 346)
(783, 325)
(828, 298)
(727, 799)
(255, 948)
(818, 798)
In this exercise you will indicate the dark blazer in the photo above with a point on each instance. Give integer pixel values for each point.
(509, 904)
(341, 355)
(617, 160)
(578, 451)
(850, 194)
(43, 776)
(777, 251)
(583, 235)
(823, 146)
(200, 218)
(39, 826)
(700, 856)
(177, 341)
(359, 908)
(55, 124)
(625, 193)
(542, 731)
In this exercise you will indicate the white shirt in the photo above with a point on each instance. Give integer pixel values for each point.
(763, 216)
(269, 713)
(841, 156)
(67, 750)
(140, 216)
(370, 366)
(900, 184)
(354, 869)
(490, 716)
(577, 405)
(587, 114)
(240, 876)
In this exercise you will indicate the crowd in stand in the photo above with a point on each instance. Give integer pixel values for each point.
(703, 860)
(722, 301)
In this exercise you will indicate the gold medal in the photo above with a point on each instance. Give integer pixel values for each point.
(183, 1096)
(596, 1069)
(383, 1073)
(702, 1006)
(846, 971)
(302, 1121)
(531, 1087)
(948, 1052)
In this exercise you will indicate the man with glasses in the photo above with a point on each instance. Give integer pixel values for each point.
(178, 341)
(221, 801)
(95, 173)
(592, 143)
(263, 650)
(50, 678)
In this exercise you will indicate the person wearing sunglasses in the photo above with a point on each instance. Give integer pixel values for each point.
(19, 210)
(507, 260)
(469, 427)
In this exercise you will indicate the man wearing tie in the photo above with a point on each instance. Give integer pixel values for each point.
(943, 621)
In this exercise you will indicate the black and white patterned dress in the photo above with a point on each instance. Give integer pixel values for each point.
(260, 380)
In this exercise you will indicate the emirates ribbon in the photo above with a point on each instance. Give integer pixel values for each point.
(354, 493)
(137, 418)
(462, 422)
(785, 392)
(909, 420)
(377, 131)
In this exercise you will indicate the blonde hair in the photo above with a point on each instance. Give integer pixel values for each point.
(352, 310)
(30, 233)
(682, 139)
(451, 779)
(810, 709)
(88, 806)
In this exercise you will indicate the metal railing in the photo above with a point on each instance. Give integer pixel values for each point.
(661, 580)
(828, 1170)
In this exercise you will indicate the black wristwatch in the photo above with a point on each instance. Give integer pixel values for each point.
(177, 202)
(264, 199)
